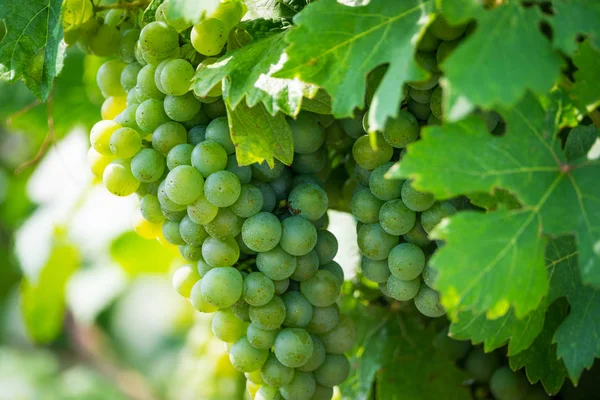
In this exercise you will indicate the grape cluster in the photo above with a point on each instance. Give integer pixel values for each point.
(261, 258)
(488, 373)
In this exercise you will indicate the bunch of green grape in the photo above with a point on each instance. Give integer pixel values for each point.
(261, 258)
(490, 377)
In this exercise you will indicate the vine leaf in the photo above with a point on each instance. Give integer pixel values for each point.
(572, 18)
(31, 49)
(539, 360)
(398, 354)
(247, 73)
(587, 77)
(259, 136)
(335, 46)
(43, 297)
(481, 71)
(494, 261)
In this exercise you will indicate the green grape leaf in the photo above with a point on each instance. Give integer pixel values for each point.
(247, 73)
(519, 333)
(72, 104)
(335, 46)
(259, 136)
(396, 353)
(570, 19)
(492, 201)
(587, 77)
(137, 255)
(580, 140)
(539, 360)
(191, 10)
(481, 71)
(43, 297)
(500, 264)
(319, 104)
(32, 49)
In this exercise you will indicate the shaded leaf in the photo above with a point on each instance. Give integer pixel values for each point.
(580, 140)
(481, 71)
(572, 18)
(491, 201)
(587, 77)
(335, 46)
(259, 136)
(141, 256)
(43, 299)
(149, 13)
(31, 48)
(504, 260)
(539, 360)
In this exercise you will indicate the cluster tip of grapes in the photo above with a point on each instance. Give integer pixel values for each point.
(261, 257)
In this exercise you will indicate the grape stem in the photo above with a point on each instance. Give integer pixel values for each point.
(125, 6)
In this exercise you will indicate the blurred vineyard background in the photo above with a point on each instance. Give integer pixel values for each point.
(76, 277)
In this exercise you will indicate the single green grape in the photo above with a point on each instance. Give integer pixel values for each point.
(293, 347)
(129, 38)
(167, 136)
(481, 365)
(324, 319)
(196, 134)
(353, 126)
(311, 163)
(427, 302)
(395, 218)
(170, 230)
(222, 287)
(506, 384)
(368, 157)
(263, 172)
(435, 103)
(269, 316)
(249, 203)
(428, 42)
(222, 188)
(150, 209)
(417, 235)
(322, 290)
(298, 236)
(340, 339)
(192, 233)
(334, 370)
(243, 172)
(198, 301)
(184, 184)
(260, 338)
(176, 76)
(209, 157)
(307, 134)
(118, 179)
(218, 131)
(105, 41)
(375, 270)
(101, 134)
(190, 253)
(442, 29)
(365, 207)
(146, 84)
(157, 40)
(201, 211)
(258, 289)
(227, 327)
(276, 263)
(403, 290)
(245, 357)
(402, 130)
(274, 373)
(309, 201)
(302, 387)
(335, 269)
(148, 165)
(374, 242)
(125, 142)
(184, 279)
(209, 36)
(419, 110)
(406, 261)
(433, 216)
(298, 311)
(150, 114)
(181, 108)
(128, 78)
(317, 358)
(180, 155)
(262, 232)
(220, 253)
(383, 188)
(414, 199)
(306, 265)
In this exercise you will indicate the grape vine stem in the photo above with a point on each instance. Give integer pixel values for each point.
(125, 6)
